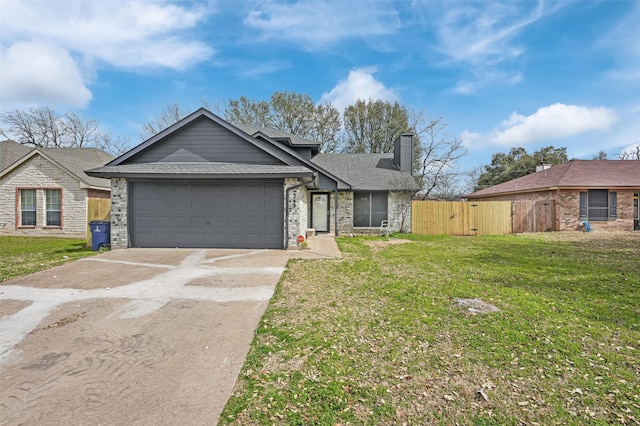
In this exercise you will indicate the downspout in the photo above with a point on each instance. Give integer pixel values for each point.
(286, 219)
(335, 211)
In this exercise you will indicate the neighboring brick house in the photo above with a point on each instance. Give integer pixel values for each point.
(45, 192)
(603, 192)
(206, 183)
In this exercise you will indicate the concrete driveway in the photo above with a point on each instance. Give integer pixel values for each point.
(137, 336)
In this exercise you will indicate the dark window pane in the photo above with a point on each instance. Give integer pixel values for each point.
(613, 205)
(28, 207)
(583, 206)
(598, 198)
(361, 208)
(28, 218)
(53, 219)
(53, 200)
(369, 208)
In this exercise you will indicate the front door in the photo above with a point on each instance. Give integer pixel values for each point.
(320, 212)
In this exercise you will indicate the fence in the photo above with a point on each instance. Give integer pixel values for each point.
(461, 218)
(97, 209)
(483, 217)
(534, 216)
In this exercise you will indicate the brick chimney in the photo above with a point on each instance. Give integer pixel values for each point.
(403, 152)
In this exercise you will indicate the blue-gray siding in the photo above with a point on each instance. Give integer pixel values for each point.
(204, 141)
(224, 214)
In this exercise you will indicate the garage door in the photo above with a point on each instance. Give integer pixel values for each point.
(247, 214)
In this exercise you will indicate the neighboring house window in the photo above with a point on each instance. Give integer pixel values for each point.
(27, 207)
(54, 207)
(369, 208)
(598, 205)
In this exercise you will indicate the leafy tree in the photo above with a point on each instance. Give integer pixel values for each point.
(45, 128)
(368, 127)
(290, 112)
(372, 126)
(518, 162)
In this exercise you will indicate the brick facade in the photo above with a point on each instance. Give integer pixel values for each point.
(39, 173)
(398, 204)
(568, 208)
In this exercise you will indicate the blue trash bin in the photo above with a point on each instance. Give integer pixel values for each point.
(100, 234)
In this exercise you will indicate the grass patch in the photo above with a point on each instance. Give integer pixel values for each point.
(25, 255)
(377, 338)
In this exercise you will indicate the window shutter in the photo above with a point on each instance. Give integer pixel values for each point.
(613, 205)
(583, 206)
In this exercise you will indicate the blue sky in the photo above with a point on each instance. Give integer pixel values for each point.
(502, 74)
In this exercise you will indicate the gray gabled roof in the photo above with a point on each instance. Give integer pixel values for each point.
(73, 160)
(372, 172)
(202, 112)
(10, 152)
(280, 135)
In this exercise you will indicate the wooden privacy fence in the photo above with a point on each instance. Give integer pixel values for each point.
(534, 216)
(97, 209)
(461, 217)
(483, 217)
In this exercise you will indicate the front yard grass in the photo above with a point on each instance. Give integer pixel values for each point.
(24, 255)
(377, 337)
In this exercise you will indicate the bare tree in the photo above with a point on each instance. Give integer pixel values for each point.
(632, 153)
(471, 178)
(170, 115)
(37, 127)
(439, 151)
(602, 155)
(45, 128)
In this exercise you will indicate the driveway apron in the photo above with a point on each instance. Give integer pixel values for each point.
(136, 336)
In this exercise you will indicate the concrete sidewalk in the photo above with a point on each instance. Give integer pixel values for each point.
(321, 246)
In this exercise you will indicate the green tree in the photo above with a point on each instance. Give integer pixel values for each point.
(518, 162)
(372, 126)
(290, 112)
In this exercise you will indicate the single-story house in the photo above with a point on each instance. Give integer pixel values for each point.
(45, 191)
(603, 192)
(204, 182)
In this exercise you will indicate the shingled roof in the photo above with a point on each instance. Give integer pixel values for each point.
(10, 152)
(371, 172)
(201, 170)
(74, 160)
(276, 134)
(573, 174)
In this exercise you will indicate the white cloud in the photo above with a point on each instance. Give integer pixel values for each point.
(35, 74)
(469, 137)
(552, 122)
(118, 33)
(483, 36)
(316, 23)
(359, 85)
